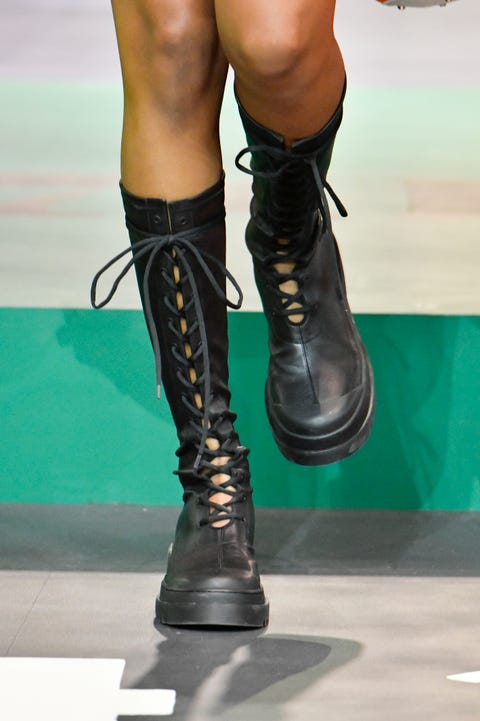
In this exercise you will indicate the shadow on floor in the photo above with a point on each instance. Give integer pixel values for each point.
(219, 673)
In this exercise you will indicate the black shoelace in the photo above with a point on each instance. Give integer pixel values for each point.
(293, 161)
(296, 253)
(182, 244)
(231, 487)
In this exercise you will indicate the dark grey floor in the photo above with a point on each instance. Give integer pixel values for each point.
(370, 612)
(122, 538)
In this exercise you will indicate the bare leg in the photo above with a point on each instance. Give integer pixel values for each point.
(288, 66)
(173, 73)
(289, 71)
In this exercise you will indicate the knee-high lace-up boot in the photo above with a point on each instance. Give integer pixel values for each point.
(178, 250)
(319, 391)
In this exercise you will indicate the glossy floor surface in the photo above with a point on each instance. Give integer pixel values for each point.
(370, 612)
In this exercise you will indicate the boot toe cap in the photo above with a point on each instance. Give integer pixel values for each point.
(213, 567)
(324, 430)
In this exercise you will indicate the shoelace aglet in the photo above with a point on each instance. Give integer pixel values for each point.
(159, 391)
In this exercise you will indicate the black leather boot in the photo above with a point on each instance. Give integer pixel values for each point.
(319, 390)
(178, 251)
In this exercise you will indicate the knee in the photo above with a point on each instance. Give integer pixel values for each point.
(271, 55)
(177, 38)
(268, 57)
(173, 58)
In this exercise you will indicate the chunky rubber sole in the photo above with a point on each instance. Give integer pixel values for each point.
(211, 608)
(290, 446)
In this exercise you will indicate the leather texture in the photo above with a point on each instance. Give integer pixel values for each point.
(212, 577)
(319, 390)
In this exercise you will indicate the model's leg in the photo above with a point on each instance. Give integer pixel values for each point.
(290, 82)
(174, 74)
(289, 71)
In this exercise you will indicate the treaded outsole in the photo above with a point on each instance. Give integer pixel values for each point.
(330, 455)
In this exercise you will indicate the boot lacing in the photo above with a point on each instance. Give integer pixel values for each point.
(288, 217)
(179, 246)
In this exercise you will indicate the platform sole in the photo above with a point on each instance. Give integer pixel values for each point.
(291, 446)
(212, 608)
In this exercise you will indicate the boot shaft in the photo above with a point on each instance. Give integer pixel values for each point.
(182, 284)
(285, 196)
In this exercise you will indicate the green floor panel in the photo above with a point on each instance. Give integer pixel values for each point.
(81, 424)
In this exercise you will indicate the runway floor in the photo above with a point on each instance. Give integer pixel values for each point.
(370, 613)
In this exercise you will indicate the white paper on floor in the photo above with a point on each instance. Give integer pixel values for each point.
(470, 677)
(56, 689)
